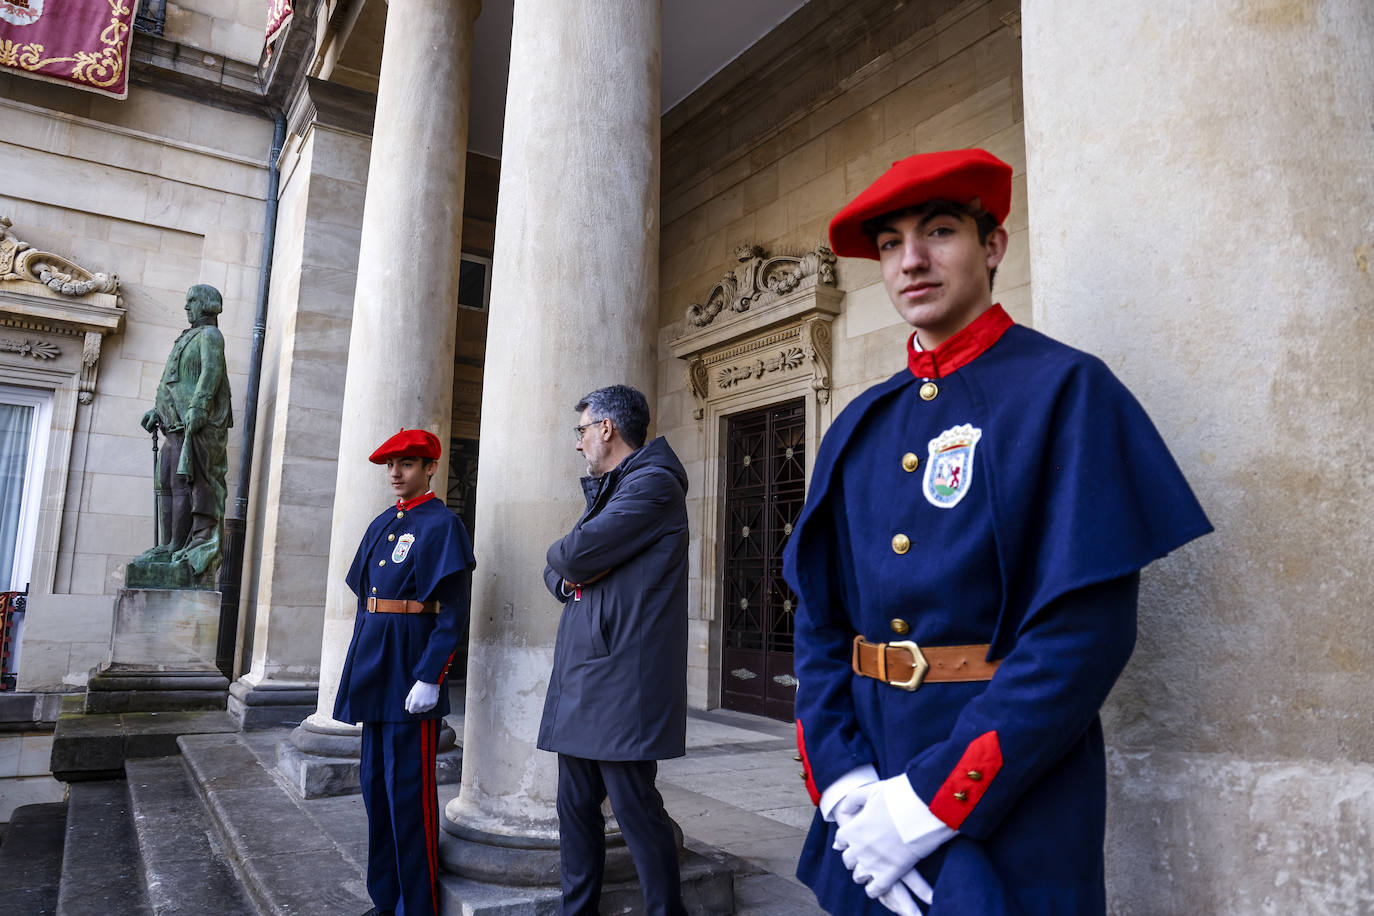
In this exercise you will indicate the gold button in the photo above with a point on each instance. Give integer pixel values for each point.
(929, 390)
(975, 775)
(803, 775)
(900, 626)
(900, 543)
(400, 514)
(909, 462)
(374, 589)
(391, 537)
(961, 795)
(381, 562)
(797, 757)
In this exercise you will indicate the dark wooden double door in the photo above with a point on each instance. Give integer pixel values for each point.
(765, 486)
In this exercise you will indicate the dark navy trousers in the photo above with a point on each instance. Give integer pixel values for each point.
(402, 800)
(582, 786)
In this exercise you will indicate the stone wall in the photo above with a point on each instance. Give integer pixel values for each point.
(165, 193)
(939, 76)
(231, 28)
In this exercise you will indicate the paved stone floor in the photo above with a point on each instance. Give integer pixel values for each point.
(739, 790)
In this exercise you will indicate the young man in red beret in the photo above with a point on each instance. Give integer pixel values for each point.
(411, 576)
(967, 564)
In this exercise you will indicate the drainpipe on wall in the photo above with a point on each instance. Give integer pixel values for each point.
(231, 572)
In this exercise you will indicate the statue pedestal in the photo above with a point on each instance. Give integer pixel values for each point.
(162, 654)
(164, 575)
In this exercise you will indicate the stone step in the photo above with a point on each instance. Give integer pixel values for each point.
(118, 690)
(31, 859)
(100, 868)
(289, 861)
(87, 746)
(185, 869)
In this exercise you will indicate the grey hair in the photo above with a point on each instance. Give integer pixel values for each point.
(625, 406)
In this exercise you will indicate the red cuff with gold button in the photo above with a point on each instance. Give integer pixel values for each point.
(967, 782)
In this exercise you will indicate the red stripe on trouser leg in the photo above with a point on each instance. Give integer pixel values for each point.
(962, 790)
(811, 789)
(430, 803)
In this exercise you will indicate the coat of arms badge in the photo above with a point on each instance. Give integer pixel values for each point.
(949, 472)
(402, 547)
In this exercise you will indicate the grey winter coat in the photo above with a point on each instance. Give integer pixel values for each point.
(618, 690)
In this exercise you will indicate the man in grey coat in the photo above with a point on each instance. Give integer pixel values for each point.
(617, 700)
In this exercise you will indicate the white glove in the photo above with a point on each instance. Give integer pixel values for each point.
(899, 899)
(852, 803)
(872, 847)
(842, 788)
(422, 698)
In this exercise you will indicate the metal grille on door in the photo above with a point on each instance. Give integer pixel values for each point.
(765, 485)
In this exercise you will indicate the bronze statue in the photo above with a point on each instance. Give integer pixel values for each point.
(192, 411)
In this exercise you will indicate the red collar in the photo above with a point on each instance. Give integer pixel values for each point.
(405, 506)
(961, 349)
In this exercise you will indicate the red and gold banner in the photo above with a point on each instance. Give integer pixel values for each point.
(278, 18)
(82, 43)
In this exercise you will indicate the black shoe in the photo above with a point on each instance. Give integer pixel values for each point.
(376, 912)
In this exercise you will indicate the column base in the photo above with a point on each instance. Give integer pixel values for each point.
(521, 861)
(707, 890)
(271, 704)
(322, 760)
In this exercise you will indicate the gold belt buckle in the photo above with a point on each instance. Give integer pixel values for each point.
(919, 664)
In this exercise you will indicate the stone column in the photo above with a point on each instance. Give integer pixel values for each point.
(1201, 184)
(574, 303)
(400, 363)
(301, 402)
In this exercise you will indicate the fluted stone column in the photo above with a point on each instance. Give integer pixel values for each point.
(1201, 184)
(574, 302)
(400, 363)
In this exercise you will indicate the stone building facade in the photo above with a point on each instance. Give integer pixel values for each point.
(1191, 197)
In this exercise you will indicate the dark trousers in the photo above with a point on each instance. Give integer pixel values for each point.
(582, 786)
(402, 801)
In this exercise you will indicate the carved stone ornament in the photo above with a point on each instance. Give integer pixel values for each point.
(38, 349)
(46, 294)
(760, 280)
(785, 307)
(21, 261)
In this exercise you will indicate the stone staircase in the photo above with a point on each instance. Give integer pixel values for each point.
(217, 829)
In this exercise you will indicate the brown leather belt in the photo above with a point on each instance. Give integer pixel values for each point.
(908, 666)
(401, 606)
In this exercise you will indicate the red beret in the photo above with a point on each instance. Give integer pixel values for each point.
(959, 175)
(408, 443)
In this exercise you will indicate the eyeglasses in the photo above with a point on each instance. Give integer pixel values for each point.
(579, 430)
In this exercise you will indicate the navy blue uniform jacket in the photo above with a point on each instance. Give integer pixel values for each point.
(1042, 489)
(420, 554)
(618, 689)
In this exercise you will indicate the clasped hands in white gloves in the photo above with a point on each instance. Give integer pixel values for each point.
(422, 698)
(881, 855)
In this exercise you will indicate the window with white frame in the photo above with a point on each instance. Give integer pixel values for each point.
(25, 417)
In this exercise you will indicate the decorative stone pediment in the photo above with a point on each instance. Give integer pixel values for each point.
(54, 313)
(759, 281)
(766, 323)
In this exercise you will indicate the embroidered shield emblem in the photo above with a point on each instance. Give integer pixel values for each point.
(949, 472)
(402, 547)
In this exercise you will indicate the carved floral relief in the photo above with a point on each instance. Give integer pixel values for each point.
(760, 280)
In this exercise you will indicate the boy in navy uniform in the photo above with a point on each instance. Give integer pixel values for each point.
(411, 577)
(967, 564)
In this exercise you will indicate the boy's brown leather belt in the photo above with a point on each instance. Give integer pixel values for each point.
(904, 664)
(401, 606)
